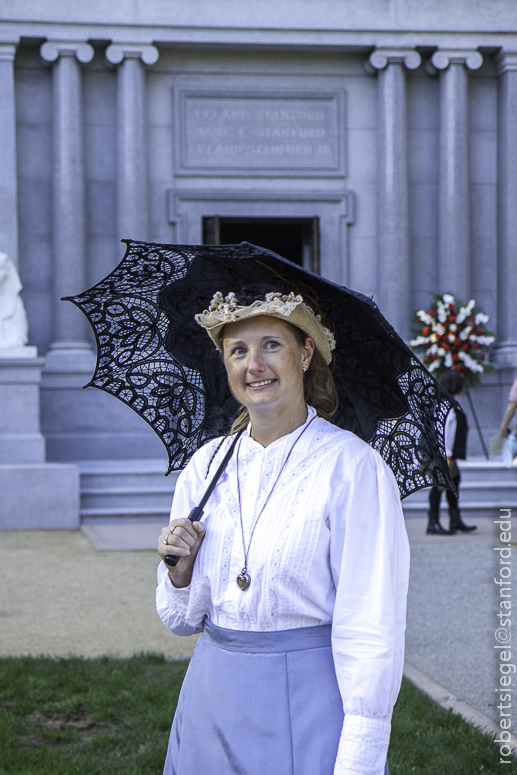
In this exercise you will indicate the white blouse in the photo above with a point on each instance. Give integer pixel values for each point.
(330, 546)
(450, 432)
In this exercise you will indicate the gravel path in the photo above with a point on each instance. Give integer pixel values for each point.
(452, 615)
(59, 596)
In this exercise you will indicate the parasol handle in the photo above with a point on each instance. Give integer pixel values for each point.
(171, 560)
(195, 515)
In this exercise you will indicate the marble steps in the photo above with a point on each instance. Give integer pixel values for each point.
(486, 487)
(125, 489)
(113, 490)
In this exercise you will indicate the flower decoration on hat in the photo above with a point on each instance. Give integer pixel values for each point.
(453, 336)
(288, 306)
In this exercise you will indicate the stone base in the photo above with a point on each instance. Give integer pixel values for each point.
(21, 441)
(39, 497)
(22, 447)
(24, 351)
(90, 424)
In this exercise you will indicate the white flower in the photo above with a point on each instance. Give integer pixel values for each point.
(481, 318)
(439, 329)
(420, 340)
(462, 314)
(434, 365)
(453, 327)
(440, 351)
(451, 337)
(470, 363)
(448, 360)
(442, 314)
(433, 338)
(465, 333)
(486, 340)
(448, 299)
(424, 317)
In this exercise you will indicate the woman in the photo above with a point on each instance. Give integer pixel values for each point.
(297, 572)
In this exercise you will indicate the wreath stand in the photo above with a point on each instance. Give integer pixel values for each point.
(471, 404)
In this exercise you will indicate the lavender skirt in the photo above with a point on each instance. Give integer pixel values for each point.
(258, 702)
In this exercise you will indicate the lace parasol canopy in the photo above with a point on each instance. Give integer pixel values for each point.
(153, 356)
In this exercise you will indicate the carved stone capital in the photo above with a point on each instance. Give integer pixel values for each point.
(505, 61)
(51, 50)
(471, 58)
(8, 50)
(382, 57)
(117, 52)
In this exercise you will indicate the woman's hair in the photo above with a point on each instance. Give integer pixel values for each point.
(452, 381)
(319, 387)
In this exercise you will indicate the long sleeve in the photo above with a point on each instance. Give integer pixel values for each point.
(370, 566)
(450, 432)
(172, 603)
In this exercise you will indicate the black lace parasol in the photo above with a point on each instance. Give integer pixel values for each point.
(153, 356)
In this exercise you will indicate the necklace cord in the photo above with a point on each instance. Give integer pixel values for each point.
(246, 550)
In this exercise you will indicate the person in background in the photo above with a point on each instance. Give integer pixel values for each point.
(510, 410)
(456, 428)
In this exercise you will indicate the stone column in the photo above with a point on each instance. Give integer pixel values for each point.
(394, 272)
(132, 201)
(506, 348)
(70, 347)
(454, 263)
(8, 178)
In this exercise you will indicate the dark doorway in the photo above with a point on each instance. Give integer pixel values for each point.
(296, 239)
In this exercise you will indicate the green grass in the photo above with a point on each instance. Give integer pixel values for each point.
(105, 716)
(86, 716)
(429, 740)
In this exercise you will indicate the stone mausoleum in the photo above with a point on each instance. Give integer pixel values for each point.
(372, 141)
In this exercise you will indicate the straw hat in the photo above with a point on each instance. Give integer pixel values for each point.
(287, 307)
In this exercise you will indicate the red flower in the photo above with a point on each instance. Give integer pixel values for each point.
(431, 313)
(425, 331)
(457, 341)
(458, 368)
(466, 347)
(455, 357)
(477, 346)
(452, 318)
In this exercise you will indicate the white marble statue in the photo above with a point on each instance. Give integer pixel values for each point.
(14, 327)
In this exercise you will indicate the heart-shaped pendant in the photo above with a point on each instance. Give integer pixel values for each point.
(243, 580)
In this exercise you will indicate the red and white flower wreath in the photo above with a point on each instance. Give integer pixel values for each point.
(452, 337)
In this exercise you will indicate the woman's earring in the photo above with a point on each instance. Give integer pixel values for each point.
(304, 367)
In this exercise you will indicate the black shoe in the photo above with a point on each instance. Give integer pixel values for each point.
(434, 528)
(456, 522)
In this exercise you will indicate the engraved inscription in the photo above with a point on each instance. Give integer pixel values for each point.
(254, 133)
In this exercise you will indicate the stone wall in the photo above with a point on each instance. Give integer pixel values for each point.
(398, 133)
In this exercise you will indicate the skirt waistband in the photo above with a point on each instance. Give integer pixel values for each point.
(297, 639)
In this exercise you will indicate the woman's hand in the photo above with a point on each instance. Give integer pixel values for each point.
(181, 538)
